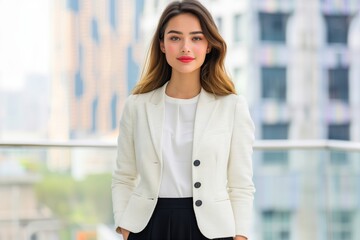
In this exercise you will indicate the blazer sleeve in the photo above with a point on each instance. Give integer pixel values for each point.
(240, 172)
(125, 173)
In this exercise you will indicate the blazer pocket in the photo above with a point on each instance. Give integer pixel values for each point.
(139, 195)
(221, 196)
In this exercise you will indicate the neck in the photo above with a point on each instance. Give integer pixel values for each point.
(184, 86)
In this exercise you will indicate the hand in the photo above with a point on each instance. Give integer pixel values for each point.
(124, 232)
(240, 238)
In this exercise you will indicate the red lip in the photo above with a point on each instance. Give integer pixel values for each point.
(185, 59)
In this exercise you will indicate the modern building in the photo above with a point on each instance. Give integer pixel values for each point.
(298, 64)
(93, 72)
(91, 51)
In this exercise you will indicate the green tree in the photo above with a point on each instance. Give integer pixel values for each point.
(77, 203)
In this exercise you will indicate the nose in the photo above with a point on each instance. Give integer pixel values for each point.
(185, 48)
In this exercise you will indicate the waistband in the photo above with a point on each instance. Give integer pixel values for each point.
(175, 203)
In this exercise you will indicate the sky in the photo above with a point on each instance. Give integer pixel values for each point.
(24, 41)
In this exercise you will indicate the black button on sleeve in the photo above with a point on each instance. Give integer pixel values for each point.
(197, 185)
(198, 203)
(196, 163)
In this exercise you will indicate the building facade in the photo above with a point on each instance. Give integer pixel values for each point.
(93, 72)
(91, 48)
(298, 64)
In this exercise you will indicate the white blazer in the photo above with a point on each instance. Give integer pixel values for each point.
(222, 145)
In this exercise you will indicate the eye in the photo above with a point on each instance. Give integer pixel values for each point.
(174, 38)
(197, 38)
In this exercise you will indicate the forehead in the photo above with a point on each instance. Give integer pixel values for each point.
(184, 22)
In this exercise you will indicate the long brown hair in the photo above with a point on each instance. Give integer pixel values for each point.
(213, 76)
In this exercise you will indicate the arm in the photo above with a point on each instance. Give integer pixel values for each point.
(240, 172)
(125, 173)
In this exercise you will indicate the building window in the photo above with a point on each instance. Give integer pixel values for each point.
(73, 5)
(94, 114)
(112, 13)
(339, 131)
(274, 83)
(79, 81)
(339, 84)
(275, 158)
(132, 69)
(79, 85)
(237, 28)
(341, 225)
(113, 107)
(275, 131)
(338, 158)
(273, 27)
(95, 30)
(337, 28)
(139, 8)
(276, 225)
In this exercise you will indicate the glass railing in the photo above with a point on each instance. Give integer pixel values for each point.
(56, 191)
(307, 190)
(61, 191)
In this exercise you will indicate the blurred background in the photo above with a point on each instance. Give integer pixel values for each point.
(67, 66)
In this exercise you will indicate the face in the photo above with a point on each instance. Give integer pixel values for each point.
(184, 44)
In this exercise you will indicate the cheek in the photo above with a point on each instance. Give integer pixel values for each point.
(200, 50)
(171, 48)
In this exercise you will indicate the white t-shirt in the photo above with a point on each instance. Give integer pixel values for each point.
(177, 144)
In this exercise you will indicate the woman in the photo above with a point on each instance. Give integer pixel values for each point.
(184, 168)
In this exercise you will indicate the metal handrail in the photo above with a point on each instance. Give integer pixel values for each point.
(259, 144)
(60, 144)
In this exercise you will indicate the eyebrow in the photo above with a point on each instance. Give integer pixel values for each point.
(178, 32)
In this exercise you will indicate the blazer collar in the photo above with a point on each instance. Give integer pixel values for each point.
(158, 97)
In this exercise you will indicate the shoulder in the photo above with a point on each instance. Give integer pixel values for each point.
(232, 99)
(237, 104)
(141, 97)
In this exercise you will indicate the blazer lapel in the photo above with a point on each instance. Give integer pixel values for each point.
(155, 110)
(204, 112)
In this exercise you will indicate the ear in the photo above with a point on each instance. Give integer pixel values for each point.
(208, 50)
(162, 46)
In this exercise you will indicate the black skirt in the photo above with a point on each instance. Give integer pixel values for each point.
(173, 219)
